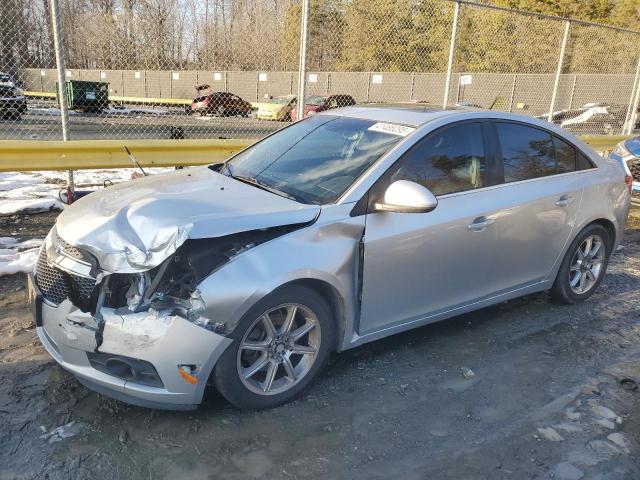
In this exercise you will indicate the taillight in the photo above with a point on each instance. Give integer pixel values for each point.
(628, 181)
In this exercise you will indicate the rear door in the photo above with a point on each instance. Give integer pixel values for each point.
(419, 264)
(536, 205)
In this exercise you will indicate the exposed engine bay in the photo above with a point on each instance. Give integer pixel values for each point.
(167, 290)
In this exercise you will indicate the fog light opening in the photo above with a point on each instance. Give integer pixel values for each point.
(120, 368)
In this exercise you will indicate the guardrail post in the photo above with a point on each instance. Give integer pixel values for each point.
(62, 83)
(302, 64)
(632, 109)
(452, 47)
(556, 83)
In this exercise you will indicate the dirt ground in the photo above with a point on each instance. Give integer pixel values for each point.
(552, 394)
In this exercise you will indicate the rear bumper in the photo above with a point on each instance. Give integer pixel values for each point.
(165, 342)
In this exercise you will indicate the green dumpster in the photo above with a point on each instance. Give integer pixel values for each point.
(87, 96)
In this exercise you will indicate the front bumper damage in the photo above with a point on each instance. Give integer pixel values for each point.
(152, 354)
(167, 342)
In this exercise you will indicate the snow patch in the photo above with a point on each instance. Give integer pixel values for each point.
(18, 256)
(35, 205)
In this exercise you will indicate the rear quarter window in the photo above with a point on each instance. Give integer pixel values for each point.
(527, 152)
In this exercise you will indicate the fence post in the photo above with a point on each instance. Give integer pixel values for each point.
(634, 111)
(513, 91)
(413, 84)
(573, 91)
(565, 39)
(302, 64)
(62, 81)
(629, 118)
(452, 47)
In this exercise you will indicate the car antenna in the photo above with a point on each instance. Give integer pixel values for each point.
(135, 161)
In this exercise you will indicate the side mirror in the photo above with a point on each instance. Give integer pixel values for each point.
(405, 196)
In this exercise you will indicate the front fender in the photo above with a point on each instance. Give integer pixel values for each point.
(326, 251)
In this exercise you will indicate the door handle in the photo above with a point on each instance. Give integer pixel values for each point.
(480, 224)
(564, 201)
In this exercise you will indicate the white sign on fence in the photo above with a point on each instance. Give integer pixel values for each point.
(137, 75)
(43, 73)
(217, 76)
(313, 78)
(103, 75)
(175, 76)
(377, 78)
(466, 79)
(262, 77)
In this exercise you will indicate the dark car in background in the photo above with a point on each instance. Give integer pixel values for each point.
(13, 103)
(221, 104)
(320, 103)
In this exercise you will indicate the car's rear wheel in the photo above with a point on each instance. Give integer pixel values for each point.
(583, 266)
(279, 346)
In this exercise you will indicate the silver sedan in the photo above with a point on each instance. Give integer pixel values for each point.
(344, 228)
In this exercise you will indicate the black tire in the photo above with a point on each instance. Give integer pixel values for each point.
(226, 376)
(561, 290)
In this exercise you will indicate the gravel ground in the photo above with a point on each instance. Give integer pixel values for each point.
(524, 389)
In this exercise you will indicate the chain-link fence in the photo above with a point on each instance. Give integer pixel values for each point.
(230, 68)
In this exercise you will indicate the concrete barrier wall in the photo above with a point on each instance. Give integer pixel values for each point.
(529, 93)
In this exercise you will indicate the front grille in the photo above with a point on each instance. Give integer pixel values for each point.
(67, 247)
(634, 168)
(52, 282)
(57, 285)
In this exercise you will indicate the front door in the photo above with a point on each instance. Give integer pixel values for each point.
(419, 264)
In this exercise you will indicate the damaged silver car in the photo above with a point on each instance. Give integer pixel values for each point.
(341, 229)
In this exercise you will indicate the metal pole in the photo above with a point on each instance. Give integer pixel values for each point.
(628, 119)
(634, 111)
(302, 65)
(62, 85)
(573, 91)
(452, 47)
(513, 92)
(565, 39)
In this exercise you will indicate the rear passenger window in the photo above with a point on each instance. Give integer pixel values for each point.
(583, 162)
(452, 160)
(566, 156)
(526, 152)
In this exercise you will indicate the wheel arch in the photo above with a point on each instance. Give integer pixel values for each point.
(608, 226)
(333, 298)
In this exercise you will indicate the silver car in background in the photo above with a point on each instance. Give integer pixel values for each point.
(344, 228)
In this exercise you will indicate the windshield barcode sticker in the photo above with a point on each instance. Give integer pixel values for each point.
(392, 128)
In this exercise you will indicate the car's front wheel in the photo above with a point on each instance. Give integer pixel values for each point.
(279, 346)
(583, 266)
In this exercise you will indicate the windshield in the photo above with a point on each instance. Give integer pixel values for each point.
(316, 160)
(282, 100)
(315, 100)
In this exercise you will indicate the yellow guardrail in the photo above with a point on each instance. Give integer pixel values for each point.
(603, 142)
(27, 155)
(117, 98)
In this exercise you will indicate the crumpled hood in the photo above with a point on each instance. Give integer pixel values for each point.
(135, 225)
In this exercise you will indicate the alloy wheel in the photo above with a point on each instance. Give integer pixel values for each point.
(279, 349)
(587, 264)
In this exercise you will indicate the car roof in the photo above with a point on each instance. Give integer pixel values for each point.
(410, 114)
(418, 114)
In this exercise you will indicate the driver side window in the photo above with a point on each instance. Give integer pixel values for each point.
(451, 160)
